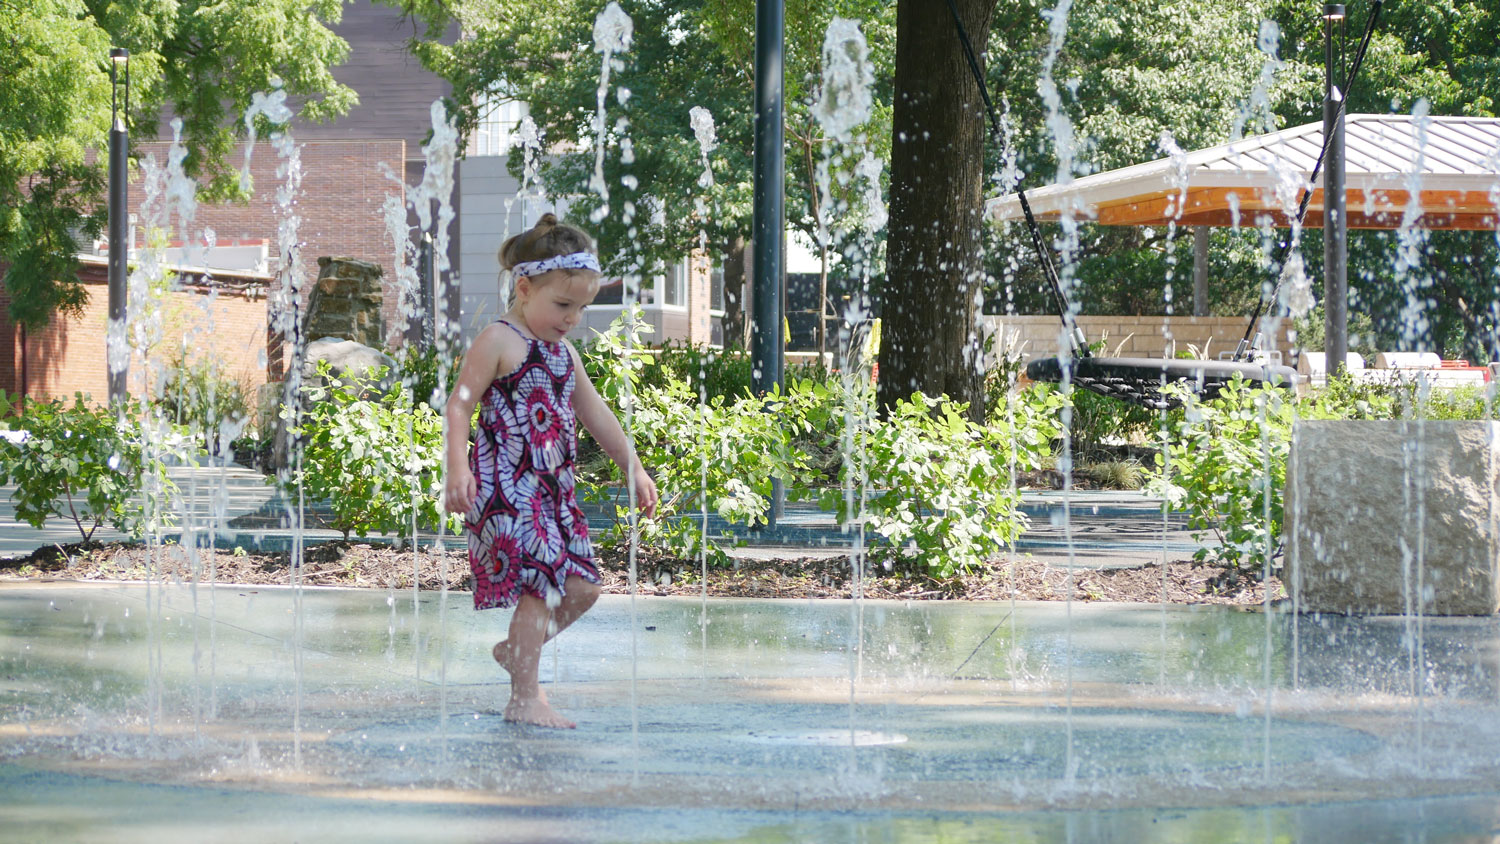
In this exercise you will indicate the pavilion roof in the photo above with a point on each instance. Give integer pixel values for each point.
(1453, 162)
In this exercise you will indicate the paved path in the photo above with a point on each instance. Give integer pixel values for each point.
(1101, 529)
(233, 490)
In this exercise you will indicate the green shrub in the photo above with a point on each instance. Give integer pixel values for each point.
(617, 359)
(939, 488)
(375, 461)
(78, 463)
(1396, 397)
(202, 398)
(1223, 459)
(1027, 422)
(708, 373)
(1224, 454)
(1101, 421)
(418, 369)
(720, 454)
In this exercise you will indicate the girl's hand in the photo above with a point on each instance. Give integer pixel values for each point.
(459, 490)
(645, 491)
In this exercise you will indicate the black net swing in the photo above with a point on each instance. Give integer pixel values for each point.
(1144, 381)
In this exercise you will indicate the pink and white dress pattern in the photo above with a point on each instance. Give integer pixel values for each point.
(526, 532)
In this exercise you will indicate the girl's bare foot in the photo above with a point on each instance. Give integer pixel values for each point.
(536, 710)
(527, 708)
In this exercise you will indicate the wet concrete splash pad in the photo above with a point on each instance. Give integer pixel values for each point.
(773, 721)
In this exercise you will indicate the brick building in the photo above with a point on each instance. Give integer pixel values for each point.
(344, 188)
(224, 319)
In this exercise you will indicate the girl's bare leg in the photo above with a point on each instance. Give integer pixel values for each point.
(521, 653)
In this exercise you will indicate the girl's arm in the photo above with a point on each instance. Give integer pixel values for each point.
(480, 366)
(600, 421)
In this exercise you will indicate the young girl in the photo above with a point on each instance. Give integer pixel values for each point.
(528, 541)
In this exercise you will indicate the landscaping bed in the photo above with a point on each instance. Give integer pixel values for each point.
(379, 566)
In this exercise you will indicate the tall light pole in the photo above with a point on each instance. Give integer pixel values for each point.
(1335, 223)
(119, 215)
(768, 226)
(768, 175)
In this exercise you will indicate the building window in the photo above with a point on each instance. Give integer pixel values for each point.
(716, 289)
(675, 285)
(499, 115)
(611, 292)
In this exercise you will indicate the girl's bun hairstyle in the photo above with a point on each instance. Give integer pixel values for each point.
(547, 239)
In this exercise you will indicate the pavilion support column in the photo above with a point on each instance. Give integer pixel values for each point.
(1200, 270)
(1335, 223)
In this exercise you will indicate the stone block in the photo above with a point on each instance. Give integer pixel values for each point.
(1386, 517)
(346, 291)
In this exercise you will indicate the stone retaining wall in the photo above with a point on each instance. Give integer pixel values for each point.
(1129, 336)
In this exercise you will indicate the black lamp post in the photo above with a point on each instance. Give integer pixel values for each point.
(768, 226)
(119, 215)
(1335, 222)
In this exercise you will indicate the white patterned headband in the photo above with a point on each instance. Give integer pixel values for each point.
(571, 261)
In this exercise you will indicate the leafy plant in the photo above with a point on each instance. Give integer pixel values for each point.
(201, 397)
(938, 485)
(375, 461)
(1226, 455)
(1101, 421)
(617, 358)
(1226, 466)
(718, 455)
(80, 463)
(419, 369)
(709, 373)
(1396, 397)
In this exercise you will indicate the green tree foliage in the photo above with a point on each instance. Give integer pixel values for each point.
(202, 60)
(698, 53)
(1442, 51)
(53, 106)
(1127, 73)
(1135, 69)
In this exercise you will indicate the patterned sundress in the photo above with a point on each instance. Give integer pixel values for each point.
(526, 533)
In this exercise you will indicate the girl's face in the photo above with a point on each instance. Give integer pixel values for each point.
(552, 303)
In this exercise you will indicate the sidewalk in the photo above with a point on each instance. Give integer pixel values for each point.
(1084, 529)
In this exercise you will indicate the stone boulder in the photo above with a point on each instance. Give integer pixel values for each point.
(348, 361)
(1380, 514)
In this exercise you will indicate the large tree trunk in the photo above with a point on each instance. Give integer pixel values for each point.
(929, 337)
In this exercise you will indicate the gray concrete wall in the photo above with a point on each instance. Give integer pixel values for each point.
(489, 212)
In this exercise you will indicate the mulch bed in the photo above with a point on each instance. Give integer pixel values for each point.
(383, 567)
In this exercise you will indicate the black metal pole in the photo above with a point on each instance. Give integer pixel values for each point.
(119, 224)
(768, 228)
(1335, 221)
